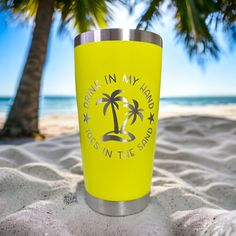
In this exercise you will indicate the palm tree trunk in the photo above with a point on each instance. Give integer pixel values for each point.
(22, 119)
(116, 125)
(122, 130)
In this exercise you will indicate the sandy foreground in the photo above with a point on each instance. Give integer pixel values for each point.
(193, 186)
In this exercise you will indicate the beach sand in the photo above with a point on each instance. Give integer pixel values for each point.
(193, 186)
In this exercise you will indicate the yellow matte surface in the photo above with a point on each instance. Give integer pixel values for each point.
(113, 170)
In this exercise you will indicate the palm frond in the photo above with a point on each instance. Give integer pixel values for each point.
(23, 8)
(82, 19)
(152, 11)
(131, 107)
(66, 8)
(120, 99)
(14, 4)
(106, 95)
(134, 118)
(192, 29)
(105, 108)
(100, 100)
(226, 16)
(116, 104)
(130, 115)
(98, 11)
(135, 104)
(194, 21)
(116, 92)
(85, 14)
(140, 115)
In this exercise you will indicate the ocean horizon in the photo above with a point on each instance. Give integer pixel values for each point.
(67, 104)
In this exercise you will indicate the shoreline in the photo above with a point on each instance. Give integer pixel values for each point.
(52, 125)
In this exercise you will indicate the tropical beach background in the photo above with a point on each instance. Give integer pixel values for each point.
(58, 114)
(41, 176)
(198, 55)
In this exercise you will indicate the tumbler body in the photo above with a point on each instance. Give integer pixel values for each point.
(118, 90)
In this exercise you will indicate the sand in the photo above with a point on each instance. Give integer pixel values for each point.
(193, 186)
(60, 124)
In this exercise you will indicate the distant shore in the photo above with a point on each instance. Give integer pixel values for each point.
(59, 124)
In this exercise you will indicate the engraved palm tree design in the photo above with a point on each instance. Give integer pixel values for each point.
(120, 135)
(112, 100)
(134, 112)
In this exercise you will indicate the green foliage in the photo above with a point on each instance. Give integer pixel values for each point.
(85, 14)
(196, 23)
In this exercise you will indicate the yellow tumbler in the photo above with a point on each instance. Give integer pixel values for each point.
(118, 73)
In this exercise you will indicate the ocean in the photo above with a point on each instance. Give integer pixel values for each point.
(67, 104)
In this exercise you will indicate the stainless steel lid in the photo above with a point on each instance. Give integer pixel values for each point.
(118, 34)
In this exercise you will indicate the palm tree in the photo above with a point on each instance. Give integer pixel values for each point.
(134, 112)
(196, 22)
(112, 101)
(22, 119)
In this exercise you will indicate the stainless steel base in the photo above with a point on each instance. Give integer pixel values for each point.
(113, 208)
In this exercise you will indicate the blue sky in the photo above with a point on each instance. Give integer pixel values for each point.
(180, 77)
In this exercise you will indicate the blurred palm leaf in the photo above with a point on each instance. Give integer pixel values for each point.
(85, 14)
(194, 22)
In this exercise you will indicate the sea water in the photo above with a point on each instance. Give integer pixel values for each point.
(67, 104)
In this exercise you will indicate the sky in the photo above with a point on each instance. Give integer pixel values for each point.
(180, 76)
